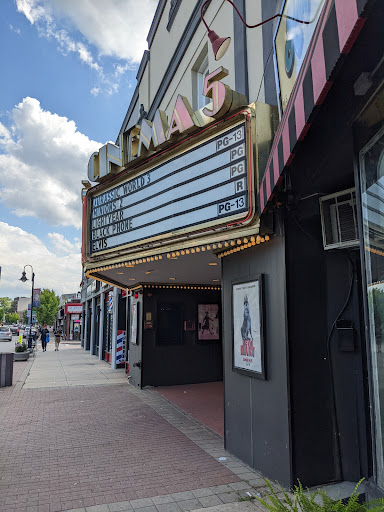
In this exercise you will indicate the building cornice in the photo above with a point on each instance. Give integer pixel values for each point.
(155, 22)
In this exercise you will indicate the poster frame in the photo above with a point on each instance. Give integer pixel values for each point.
(200, 309)
(248, 280)
(134, 327)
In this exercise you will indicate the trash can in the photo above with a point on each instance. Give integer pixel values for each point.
(7, 349)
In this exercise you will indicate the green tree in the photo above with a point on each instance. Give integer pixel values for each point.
(49, 306)
(11, 318)
(25, 317)
(6, 304)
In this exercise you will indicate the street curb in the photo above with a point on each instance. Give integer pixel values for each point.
(23, 377)
(229, 507)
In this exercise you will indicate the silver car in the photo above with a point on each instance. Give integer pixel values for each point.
(5, 334)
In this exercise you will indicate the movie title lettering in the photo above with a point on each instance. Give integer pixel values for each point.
(150, 136)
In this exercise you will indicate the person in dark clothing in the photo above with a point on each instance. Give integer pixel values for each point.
(43, 336)
(57, 339)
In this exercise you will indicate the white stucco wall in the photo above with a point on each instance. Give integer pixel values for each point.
(165, 43)
(219, 16)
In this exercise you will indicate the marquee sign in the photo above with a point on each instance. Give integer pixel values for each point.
(151, 136)
(73, 308)
(206, 185)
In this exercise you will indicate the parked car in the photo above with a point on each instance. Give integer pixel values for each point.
(14, 329)
(26, 333)
(5, 333)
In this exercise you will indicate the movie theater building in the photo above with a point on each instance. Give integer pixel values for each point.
(242, 206)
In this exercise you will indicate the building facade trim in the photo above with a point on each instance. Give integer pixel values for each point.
(240, 48)
(134, 100)
(173, 9)
(155, 22)
(191, 27)
(144, 61)
(312, 86)
(176, 59)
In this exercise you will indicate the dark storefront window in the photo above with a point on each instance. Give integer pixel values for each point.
(372, 189)
(170, 328)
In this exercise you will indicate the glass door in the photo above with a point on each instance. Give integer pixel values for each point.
(372, 199)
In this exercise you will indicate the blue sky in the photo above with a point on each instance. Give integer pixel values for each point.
(68, 73)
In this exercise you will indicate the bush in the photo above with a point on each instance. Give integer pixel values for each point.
(21, 348)
(302, 500)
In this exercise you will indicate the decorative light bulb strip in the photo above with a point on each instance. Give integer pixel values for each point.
(222, 249)
(243, 244)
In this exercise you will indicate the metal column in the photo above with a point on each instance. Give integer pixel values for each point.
(101, 325)
(92, 340)
(114, 327)
(82, 325)
(86, 309)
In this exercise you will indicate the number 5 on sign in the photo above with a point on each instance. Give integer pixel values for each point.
(220, 94)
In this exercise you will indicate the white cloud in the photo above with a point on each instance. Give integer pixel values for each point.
(61, 244)
(39, 13)
(42, 165)
(117, 29)
(95, 91)
(32, 10)
(60, 272)
(4, 134)
(120, 69)
(68, 45)
(14, 29)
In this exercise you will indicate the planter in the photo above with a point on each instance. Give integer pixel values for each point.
(21, 356)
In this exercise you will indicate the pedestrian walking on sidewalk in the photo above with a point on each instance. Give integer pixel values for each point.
(43, 336)
(57, 340)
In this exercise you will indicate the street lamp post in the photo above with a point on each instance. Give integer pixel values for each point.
(24, 278)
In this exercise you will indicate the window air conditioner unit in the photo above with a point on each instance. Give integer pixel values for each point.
(338, 220)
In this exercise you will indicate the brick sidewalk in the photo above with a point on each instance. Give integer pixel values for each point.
(205, 402)
(89, 446)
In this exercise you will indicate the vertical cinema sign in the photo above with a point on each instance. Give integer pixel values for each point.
(150, 136)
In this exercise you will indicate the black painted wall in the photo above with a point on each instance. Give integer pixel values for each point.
(329, 386)
(257, 426)
(328, 394)
(189, 362)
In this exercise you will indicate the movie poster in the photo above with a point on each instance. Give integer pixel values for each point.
(247, 327)
(208, 321)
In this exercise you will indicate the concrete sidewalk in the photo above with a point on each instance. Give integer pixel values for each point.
(77, 437)
(70, 366)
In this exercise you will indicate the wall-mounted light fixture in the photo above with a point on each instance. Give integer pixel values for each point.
(220, 44)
